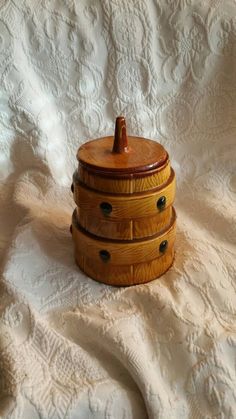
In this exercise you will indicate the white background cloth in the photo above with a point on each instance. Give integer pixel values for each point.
(70, 347)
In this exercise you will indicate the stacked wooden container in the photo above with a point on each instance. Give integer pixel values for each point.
(124, 225)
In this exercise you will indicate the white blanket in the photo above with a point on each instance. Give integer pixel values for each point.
(70, 347)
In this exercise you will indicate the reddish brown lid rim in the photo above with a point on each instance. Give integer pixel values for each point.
(128, 154)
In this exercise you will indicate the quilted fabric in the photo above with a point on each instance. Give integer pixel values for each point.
(70, 347)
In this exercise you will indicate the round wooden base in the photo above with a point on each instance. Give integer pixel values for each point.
(128, 275)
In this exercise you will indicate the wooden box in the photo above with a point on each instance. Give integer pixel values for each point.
(124, 224)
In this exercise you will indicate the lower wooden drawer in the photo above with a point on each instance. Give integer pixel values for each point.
(122, 263)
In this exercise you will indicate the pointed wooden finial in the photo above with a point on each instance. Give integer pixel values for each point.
(120, 144)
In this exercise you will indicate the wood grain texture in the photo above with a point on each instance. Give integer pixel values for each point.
(125, 229)
(149, 180)
(132, 206)
(141, 155)
(121, 252)
(149, 226)
(124, 226)
(120, 144)
(124, 207)
(125, 275)
(104, 227)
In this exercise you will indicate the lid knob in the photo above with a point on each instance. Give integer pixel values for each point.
(120, 144)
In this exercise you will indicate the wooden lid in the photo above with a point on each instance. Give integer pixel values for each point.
(121, 153)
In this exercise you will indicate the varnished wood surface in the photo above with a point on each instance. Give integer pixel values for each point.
(149, 226)
(132, 206)
(125, 275)
(121, 252)
(120, 144)
(142, 155)
(149, 180)
(125, 229)
(124, 225)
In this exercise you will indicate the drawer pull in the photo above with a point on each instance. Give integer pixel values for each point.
(106, 208)
(161, 203)
(104, 255)
(163, 246)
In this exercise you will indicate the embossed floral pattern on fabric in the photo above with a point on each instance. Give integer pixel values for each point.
(71, 348)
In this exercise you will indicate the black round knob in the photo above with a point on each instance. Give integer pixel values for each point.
(72, 187)
(106, 208)
(161, 203)
(104, 255)
(163, 246)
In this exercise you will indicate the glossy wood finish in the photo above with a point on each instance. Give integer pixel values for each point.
(131, 216)
(120, 144)
(125, 229)
(150, 180)
(124, 225)
(124, 206)
(141, 155)
(122, 252)
(125, 275)
(130, 262)
(148, 226)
